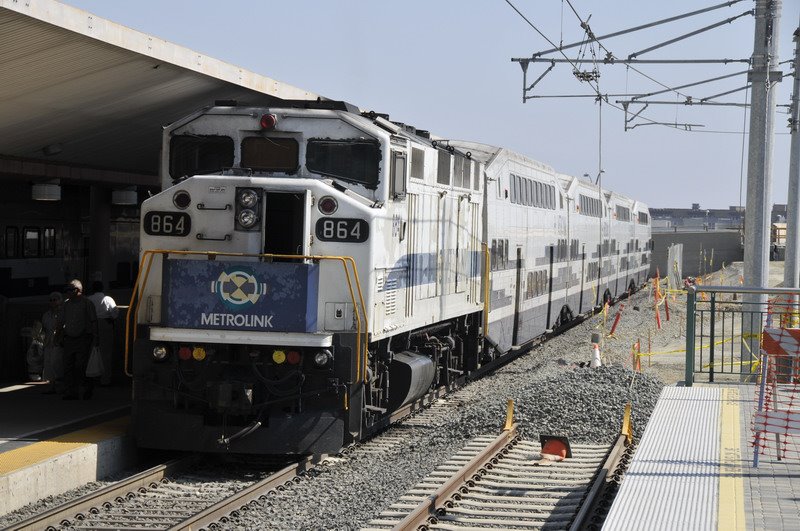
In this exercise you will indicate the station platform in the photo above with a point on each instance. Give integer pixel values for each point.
(693, 468)
(49, 445)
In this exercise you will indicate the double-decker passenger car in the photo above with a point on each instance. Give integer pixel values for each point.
(309, 269)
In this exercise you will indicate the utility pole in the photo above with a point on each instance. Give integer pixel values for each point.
(763, 74)
(791, 274)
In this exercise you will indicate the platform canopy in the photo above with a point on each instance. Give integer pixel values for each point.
(83, 98)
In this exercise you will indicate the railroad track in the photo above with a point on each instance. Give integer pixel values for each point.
(167, 496)
(500, 482)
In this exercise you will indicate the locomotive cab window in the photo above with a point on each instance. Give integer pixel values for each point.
(349, 160)
(398, 179)
(197, 155)
(270, 154)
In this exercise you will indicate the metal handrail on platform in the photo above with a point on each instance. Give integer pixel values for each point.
(722, 325)
(348, 266)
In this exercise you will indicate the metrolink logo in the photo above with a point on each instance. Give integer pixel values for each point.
(238, 288)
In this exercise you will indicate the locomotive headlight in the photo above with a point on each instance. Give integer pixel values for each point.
(248, 198)
(247, 218)
(159, 352)
(327, 205)
(278, 356)
(322, 358)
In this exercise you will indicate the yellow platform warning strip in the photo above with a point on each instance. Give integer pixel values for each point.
(41, 451)
(731, 483)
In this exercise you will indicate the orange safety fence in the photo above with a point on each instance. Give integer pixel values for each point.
(776, 419)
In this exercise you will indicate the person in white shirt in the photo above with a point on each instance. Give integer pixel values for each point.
(106, 314)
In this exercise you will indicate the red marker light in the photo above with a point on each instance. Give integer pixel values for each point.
(185, 353)
(268, 121)
(293, 357)
(327, 205)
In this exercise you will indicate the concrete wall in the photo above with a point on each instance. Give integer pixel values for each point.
(726, 245)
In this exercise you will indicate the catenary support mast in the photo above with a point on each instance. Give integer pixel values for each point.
(759, 163)
(791, 273)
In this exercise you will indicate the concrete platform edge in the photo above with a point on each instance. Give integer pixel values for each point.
(66, 471)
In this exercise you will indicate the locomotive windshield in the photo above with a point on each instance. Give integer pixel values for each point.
(197, 155)
(270, 154)
(348, 160)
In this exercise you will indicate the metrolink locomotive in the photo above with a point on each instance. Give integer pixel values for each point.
(308, 269)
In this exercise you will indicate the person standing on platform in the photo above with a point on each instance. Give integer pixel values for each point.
(80, 335)
(107, 311)
(53, 327)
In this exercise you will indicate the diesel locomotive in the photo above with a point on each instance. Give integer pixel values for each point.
(309, 268)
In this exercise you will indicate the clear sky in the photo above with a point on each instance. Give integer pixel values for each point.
(444, 65)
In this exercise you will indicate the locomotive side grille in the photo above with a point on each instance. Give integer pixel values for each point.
(390, 296)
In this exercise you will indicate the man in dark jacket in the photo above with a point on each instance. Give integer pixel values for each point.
(80, 335)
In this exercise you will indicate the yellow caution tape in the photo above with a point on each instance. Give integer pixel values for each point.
(704, 347)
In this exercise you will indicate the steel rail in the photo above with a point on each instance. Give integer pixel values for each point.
(611, 462)
(223, 508)
(437, 500)
(57, 515)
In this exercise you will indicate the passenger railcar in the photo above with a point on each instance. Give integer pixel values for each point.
(308, 269)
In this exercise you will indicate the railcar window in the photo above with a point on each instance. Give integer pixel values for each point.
(476, 176)
(30, 242)
(560, 201)
(270, 154)
(644, 219)
(513, 188)
(623, 213)
(49, 241)
(195, 155)
(349, 160)
(417, 163)
(443, 170)
(12, 237)
(528, 194)
(590, 206)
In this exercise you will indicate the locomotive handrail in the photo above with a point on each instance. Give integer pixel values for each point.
(347, 263)
(486, 265)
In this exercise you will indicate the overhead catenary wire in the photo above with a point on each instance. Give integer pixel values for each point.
(591, 77)
(585, 26)
(573, 63)
(641, 27)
